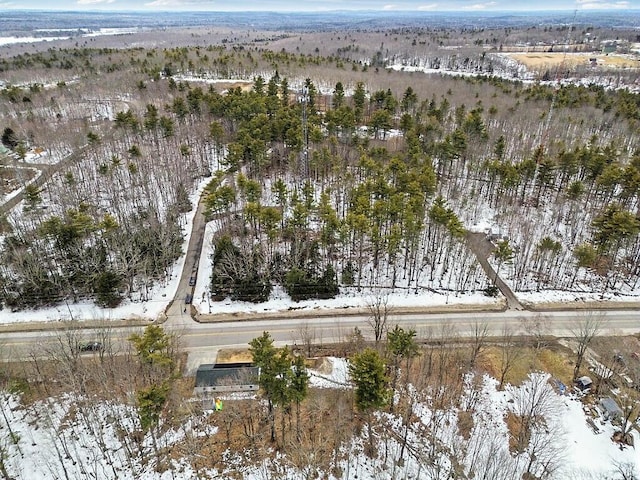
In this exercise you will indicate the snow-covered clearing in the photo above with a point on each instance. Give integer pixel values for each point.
(509, 68)
(85, 32)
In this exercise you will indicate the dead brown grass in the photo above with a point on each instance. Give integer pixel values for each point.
(491, 362)
(238, 355)
(465, 423)
(539, 61)
(553, 359)
(557, 363)
(514, 426)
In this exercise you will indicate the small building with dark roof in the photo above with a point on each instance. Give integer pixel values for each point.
(214, 378)
(584, 383)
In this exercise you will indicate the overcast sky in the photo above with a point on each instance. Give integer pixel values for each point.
(320, 5)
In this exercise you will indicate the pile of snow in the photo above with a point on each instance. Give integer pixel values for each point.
(332, 373)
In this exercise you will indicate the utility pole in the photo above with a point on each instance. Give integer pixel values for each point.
(304, 160)
(558, 83)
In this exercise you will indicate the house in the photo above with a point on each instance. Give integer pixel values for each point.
(214, 378)
(610, 409)
(495, 234)
(609, 46)
(584, 383)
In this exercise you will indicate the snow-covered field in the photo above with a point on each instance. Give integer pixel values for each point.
(71, 438)
(84, 33)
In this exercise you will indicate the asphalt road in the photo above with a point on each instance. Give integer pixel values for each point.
(207, 338)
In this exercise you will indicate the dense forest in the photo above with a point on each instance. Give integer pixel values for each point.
(323, 171)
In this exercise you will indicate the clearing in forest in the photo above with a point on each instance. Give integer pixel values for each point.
(538, 61)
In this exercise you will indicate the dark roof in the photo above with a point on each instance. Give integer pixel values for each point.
(209, 375)
(584, 381)
(610, 406)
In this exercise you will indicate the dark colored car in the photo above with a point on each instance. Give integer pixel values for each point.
(192, 281)
(188, 298)
(91, 347)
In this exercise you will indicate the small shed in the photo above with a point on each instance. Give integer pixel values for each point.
(610, 409)
(213, 378)
(584, 383)
(495, 234)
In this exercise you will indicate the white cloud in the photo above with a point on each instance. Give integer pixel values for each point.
(93, 2)
(480, 6)
(389, 7)
(431, 6)
(178, 3)
(600, 5)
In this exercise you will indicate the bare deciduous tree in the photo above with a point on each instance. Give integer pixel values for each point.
(510, 353)
(307, 336)
(537, 327)
(379, 310)
(625, 470)
(583, 332)
(480, 333)
(532, 403)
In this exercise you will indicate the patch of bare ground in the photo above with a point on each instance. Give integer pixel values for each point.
(243, 432)
(538, 61)
(234, 355)
(526, 357)
(465, 423)
(518, 435)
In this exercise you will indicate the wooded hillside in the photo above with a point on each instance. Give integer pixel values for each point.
(327, 170)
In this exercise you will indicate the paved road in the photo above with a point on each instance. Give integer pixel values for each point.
(209, 337)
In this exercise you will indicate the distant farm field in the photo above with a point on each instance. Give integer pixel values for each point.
(544, 60)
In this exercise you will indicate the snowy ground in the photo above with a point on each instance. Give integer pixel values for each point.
(514, 70)
(85, 33)
(280, 301)
(151, 309)
(70, 438)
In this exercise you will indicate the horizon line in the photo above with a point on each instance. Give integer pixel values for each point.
(343, 10)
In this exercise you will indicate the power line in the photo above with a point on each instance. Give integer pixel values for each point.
(554, 98)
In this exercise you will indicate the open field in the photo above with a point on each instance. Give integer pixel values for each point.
(545, 60)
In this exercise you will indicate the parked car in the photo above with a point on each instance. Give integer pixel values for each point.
(91, 347)
(192, 281)
(188, 298)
